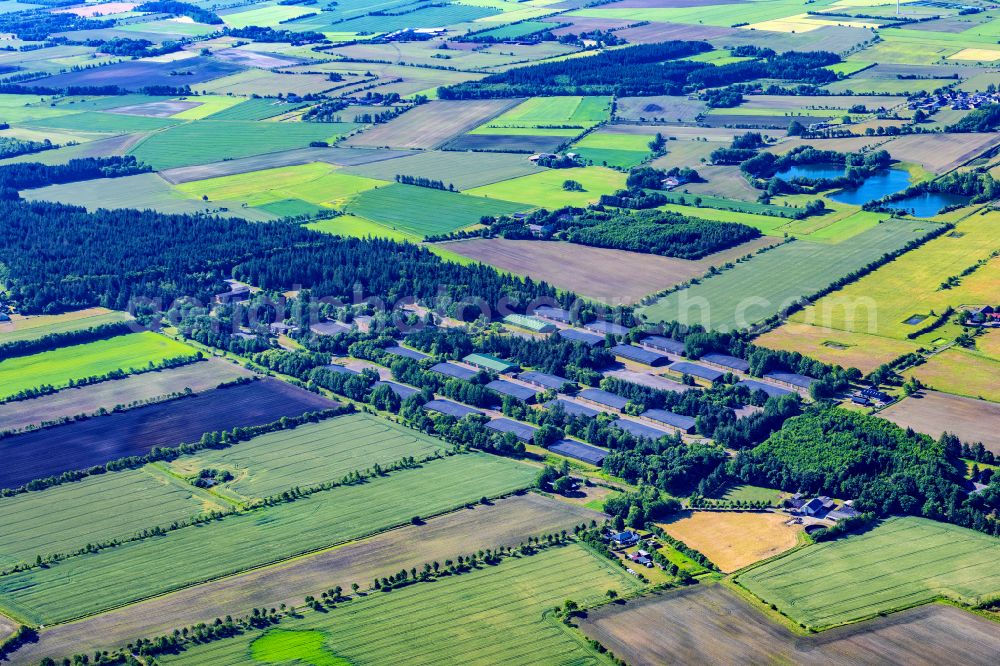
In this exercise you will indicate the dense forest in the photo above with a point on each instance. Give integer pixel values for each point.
(646, 69)
(886, 469)
(11, 147)
(984, 119)
(194, 12)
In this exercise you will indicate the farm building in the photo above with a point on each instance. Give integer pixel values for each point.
(579, 451)
(641, 430)
(237, 292)
(606, 327)
(555, 314)
(817, 506)
(544, 380)
(695, 370)
(576, 335)
(449, 408)
(640, 355)
(791, 378)
(683, 423)
(331, 328)
(490, 363)
(522, 431)
(406, 353)
(532, 324)
(503, 387)
(402, 390)
(625, 539)
(662, 343)
(726, 361)
(652, 381)
(340, 370)
(281, 328)
(771, 390)
(455, 371)
(572, 408)
(603, 398)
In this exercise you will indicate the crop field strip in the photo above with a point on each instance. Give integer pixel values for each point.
(903, 562)
(31, 328)
(311, 454)
(720, 627)
(58, 367)
(138, 570)
(786, 273)
(505, 522)
(493, 615)
(75, 446)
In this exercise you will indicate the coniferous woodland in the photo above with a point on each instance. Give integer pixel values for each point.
(646, 69)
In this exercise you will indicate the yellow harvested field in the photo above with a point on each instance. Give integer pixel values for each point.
(734, 539)
(981, 55)
(844, 348)
(804, 23)
(960, 372)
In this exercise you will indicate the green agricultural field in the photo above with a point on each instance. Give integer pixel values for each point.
(757, 289)
(424, 211)
(317, 183)
(91, 583)
(358, 227)
(311, 454)
(494, 615)
(268, 16)
(207, 106)
(30, 328)
(611, 149)
(545, 189)
(748, 493)
(550, 113)
(205, 141)
(256, 109)
(96, 121)
(463, 170)
(60, 366)
(903, 562)
(97, 509)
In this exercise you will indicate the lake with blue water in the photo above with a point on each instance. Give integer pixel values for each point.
(888, 181)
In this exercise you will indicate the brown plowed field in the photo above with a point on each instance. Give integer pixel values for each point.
(432, 124)
(933, 413)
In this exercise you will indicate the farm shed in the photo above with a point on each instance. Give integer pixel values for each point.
(683, 423)
(555, 314)
(576, 335)
(340, 370)
(662, 343)
(522, 431)
(546, 381)
(530, 323)
(402, 390)
(642, 430)
(640, 355)
(605, 327)
(603, 398)
(503, 387)
(572, 408)
(490, 363)
(727, 361)
(580, 451)
(696, 370)
(770, 389)
(791, 378)
(237, 292)
(331, 328)
(449, 408)
(455, 371)
(406, 353)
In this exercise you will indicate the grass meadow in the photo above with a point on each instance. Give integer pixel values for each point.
(545, 189)
(759, 288)
(902, 562)
(316, 183)
(91, 583)
(489, 616)
(58, 367)
(310, 454)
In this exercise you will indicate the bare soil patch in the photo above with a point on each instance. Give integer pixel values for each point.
(734, 539)
(71, 402)
(432, 124)
(712, 625)
(507, 522)
(611, 276)
(941, 152)
(933, 413)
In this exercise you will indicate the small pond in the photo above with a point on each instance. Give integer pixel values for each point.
(928, 203)
(811, 171)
